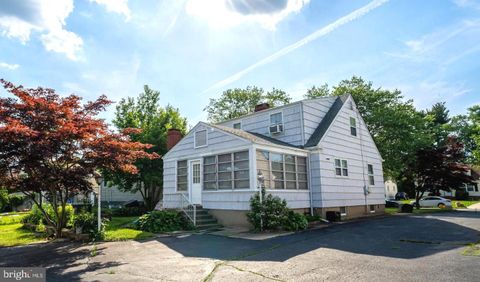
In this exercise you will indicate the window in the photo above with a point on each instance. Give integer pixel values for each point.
(341, 167)
(372, 208)
(353, 126)
(226, 171)
(182, 175)
(200, 138)
(237, 125)
(282, 171)
(196, 173)
(371, 178)
(471, 188)
(276, 119)
(343, 211)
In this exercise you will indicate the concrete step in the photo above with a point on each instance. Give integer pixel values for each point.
(204, 221)
(209, 227)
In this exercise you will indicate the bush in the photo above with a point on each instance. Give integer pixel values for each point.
(274, 213)
(85, 220)
(295, 221)
(16, 200)
(461, 195)
(162, 221)
(36, 216)
(130, 211)
(311, 218)
(4, 200)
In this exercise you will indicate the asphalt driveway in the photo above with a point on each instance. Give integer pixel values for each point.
(395, 248)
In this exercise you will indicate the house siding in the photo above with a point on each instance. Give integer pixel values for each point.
(218, 142)
(313, 112)
(113, 194)
(339, 143)
(260, 123)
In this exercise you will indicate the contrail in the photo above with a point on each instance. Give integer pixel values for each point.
(313, 36)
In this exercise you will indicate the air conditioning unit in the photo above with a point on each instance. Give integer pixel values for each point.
(276, 129)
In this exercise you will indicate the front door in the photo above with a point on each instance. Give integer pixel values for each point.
(195, 182)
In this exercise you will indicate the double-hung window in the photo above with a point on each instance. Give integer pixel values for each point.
(371, 177)
(341, 167)
(182, 175)
(353, 126)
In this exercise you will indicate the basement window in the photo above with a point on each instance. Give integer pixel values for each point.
(372, 208)
(343, 211)
(237, 125)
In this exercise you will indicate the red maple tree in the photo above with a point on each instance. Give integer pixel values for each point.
(56, 145)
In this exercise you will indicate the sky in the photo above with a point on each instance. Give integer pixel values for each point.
(193, 50)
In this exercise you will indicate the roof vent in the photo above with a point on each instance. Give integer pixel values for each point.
(261, 107)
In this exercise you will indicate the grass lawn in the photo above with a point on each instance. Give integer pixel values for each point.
(118, 229)
(12, 233)
(472, 250)
(418, 211)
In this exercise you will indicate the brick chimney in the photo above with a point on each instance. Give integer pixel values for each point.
(261, 107)
(173, 137)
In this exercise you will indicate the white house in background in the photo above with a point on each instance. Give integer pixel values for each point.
(390, 189)
(316, 154)
(472, 189)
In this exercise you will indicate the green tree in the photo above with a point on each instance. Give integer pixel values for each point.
(318, 92)
(467, 129)
(438, 122)
(238, 102)
(145, 113)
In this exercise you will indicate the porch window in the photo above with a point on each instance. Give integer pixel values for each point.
(226, 171)
(282, 171)
(182, 175)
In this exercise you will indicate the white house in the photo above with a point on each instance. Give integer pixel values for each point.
(316, 154)
(472, 189)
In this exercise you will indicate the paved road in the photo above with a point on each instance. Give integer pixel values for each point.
(396, 248)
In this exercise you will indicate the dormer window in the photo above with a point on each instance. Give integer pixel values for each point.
(200, 138)
(276, 123)
(237, 125)
(353, 126)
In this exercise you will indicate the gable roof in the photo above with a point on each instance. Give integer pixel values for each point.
(326, 121)
(252, 136)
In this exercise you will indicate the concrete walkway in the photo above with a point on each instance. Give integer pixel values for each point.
(474, 207)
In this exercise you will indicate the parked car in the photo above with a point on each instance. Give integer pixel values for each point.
(434, 201)
(401, 196)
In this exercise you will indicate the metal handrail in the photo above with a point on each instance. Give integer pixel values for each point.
(188, 208)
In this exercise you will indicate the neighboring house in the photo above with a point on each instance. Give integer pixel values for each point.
(111, 196)
(390, 189)
(316, 154)
(472, 189)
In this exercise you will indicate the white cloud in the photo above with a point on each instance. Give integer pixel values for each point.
(116, 6)
(19, 18)
(432, 46)
(468, 4)
(9, 66)
(304, 41)
(225, 13)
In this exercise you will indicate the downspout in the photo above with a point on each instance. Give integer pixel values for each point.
(310, 181)
(363, 161)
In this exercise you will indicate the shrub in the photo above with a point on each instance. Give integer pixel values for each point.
(16, 200)
(130, 211)
(162, 221)
(4, 200)
(295, 221)
(85, 220)
(36, 216)
(311, 218)
(274, 213)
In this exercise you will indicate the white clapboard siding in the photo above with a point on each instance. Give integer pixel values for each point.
(113, 194)
(313, 112)
(339, 143)
(260, 122)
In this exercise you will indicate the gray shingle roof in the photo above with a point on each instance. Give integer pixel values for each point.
(326, 121)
